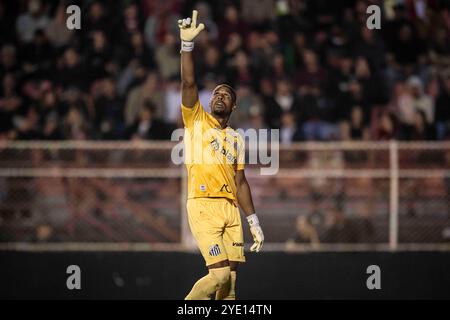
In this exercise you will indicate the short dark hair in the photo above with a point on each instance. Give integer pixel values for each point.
(233, 93)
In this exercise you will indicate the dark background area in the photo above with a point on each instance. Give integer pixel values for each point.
(159, 275)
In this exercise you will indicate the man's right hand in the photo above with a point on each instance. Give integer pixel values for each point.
(188, 27)
(257, 233)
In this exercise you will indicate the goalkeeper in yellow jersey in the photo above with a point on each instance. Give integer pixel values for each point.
(214, 157)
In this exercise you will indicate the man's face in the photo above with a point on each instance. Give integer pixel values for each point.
(222, 102)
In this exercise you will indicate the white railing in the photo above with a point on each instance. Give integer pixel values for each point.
(34, 165)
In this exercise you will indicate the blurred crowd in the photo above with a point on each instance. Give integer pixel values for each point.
(310, 68)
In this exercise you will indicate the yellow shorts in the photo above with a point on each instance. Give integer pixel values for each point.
(216, 226)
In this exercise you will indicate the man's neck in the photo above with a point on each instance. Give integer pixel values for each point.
(222, 121)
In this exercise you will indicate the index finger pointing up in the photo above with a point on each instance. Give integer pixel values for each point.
(194, 18)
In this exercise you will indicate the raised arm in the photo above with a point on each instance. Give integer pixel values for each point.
(189, 91)
(188, 31)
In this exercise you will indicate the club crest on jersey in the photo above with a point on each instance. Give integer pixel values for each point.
(214, 250)
(202, 188)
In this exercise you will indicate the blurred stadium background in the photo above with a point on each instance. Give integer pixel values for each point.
(86, 118)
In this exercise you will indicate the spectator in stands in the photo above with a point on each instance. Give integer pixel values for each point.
(159, 24)
(271, 43)
(172, 101)
(357, 94)
(355, 128)
(75, 124)
(289, 130)
(131, 21)
(234, 45)
(339, 76)
(44, 233)
(211, 66)
(420, 100)
(405, 46)
(51, 129)
(402, 104)
(138, 52)
(439, 52)
(340, 229)
(31, 21)
(283, 100)
(205, 11)
(10, 104)
(241, 72)
(421, 129)
(231, 23)
(147, 127)
(333, 61)
(131, 76)
(27, 125)
(248, 102)
(7, 19)
(369, 45)
(365, 223)
(316, 115)
(204, 94)
(8, 60)
(256, 50)
(56, 31)
(256, 121)
(258, 14)
(372, 87)
(305, 233)
(443, 110)
(311, 73)
(72, 72)
(392, 74)
(38, 56)
(408, 100)
(50, 116)
(299, 45)
(95, 19)
(387, 128)
(108, 119)
(277, 70)
(98, 56)
(73, 97)
(167, 56)
(147, 91)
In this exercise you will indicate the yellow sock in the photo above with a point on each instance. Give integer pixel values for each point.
(228, 290)
(206, 286)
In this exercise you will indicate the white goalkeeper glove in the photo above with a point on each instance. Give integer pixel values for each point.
(257, 233)
(189, 30)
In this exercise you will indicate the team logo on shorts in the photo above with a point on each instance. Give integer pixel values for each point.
(214, 250)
